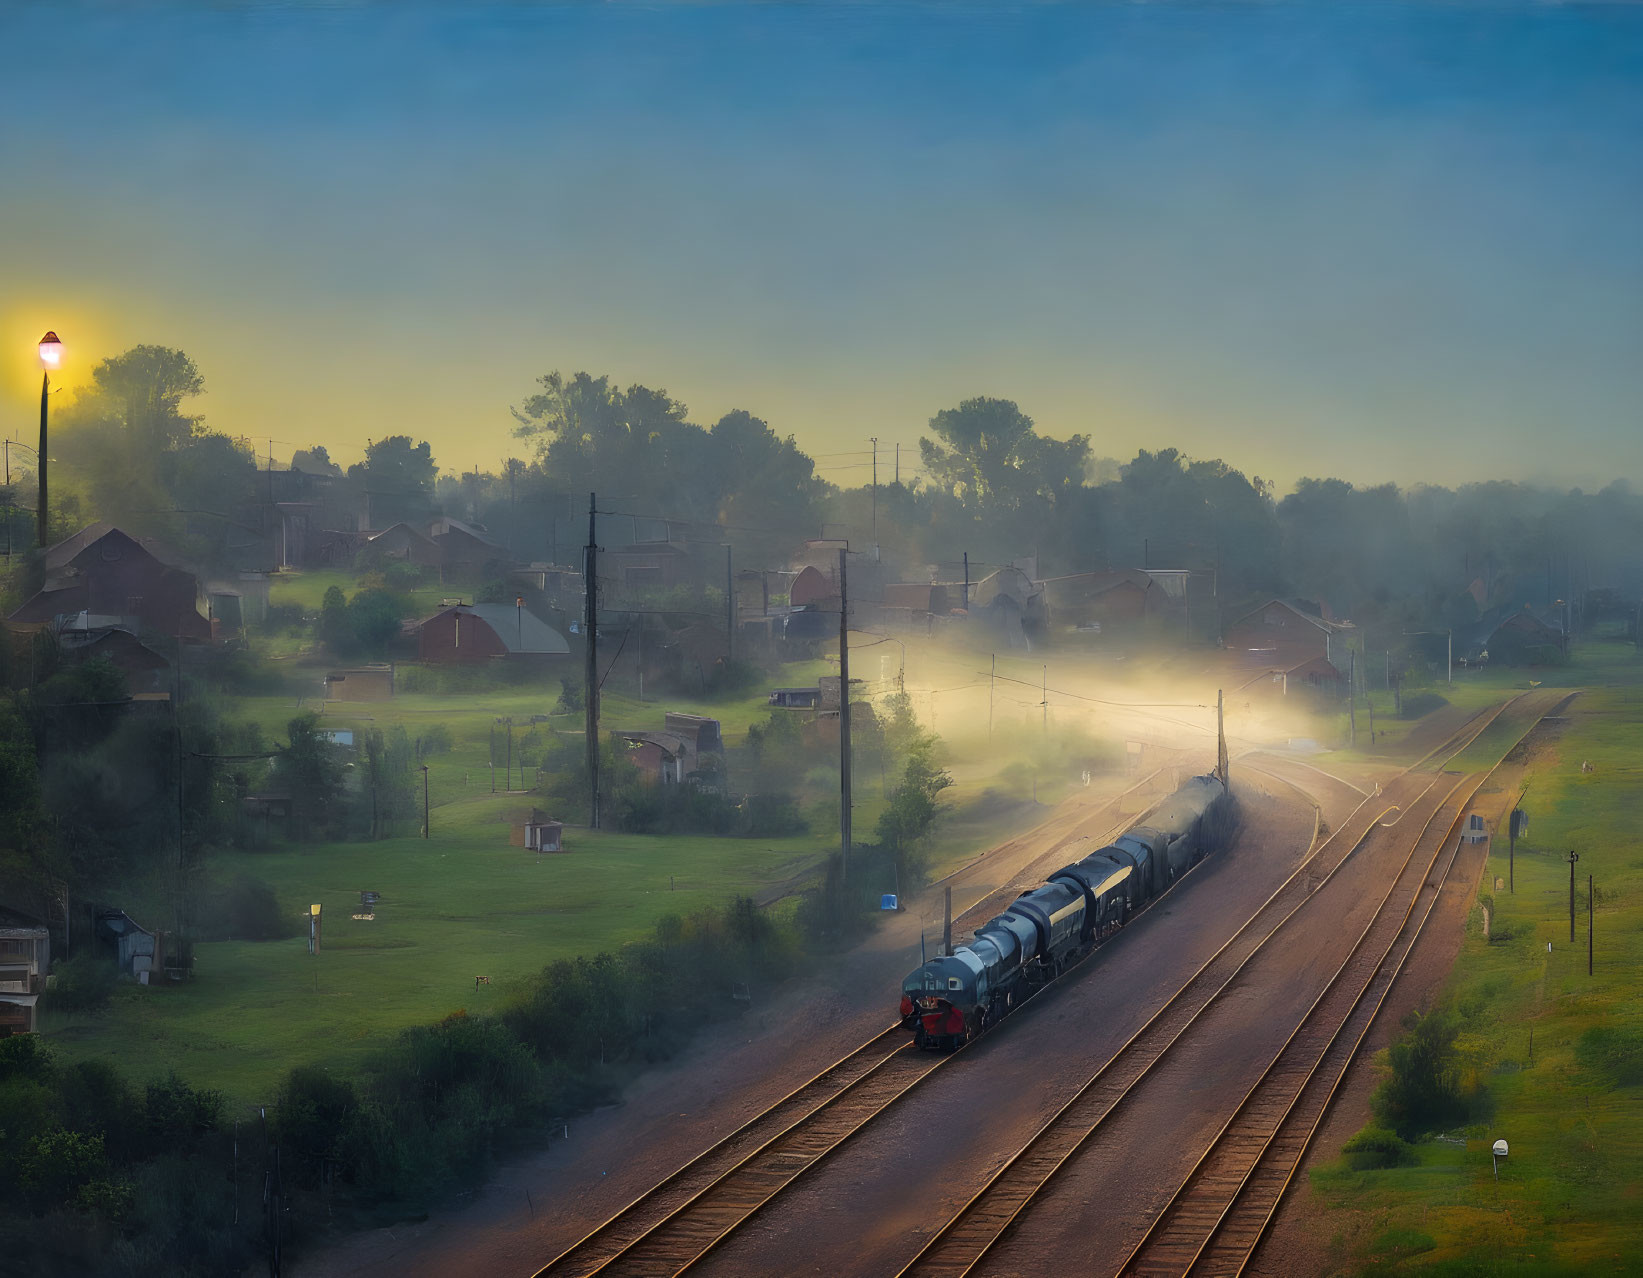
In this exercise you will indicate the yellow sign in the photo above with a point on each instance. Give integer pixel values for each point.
(314, 910)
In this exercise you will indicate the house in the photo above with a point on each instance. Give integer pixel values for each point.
(1521, 637)
(361, 683)
(542, 835)
(647, 565)
(482, 632)
(407, 544)
(25, 958)
(116, 579)
(1110, 600)
(145, 670)
(796, 698)
(467, 551)
(914, 602)
(1279, 635)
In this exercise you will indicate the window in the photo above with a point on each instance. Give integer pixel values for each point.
(953, 983)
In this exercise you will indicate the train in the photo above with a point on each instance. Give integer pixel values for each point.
(955, 997)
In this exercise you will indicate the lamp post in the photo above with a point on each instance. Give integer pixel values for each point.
(424, 800)
(519, 618)
(1573, 857)
(51, 356)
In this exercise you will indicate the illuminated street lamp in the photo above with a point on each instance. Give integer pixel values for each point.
(51, 356)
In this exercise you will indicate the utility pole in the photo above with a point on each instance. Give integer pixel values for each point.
(947, 923)
(41, 515)
(730, 609)
(1352, 693)
(1573, 857)
(590, 626)
(1451, 641)
(492, 756)
(844, 721)
(1044, 702)
(874, 440)
(424, 800)
(992, 681)
(898, 463)
(1222, 763)
(966, 583)
(1591, 905)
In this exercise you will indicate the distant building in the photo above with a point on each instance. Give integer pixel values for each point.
(25, 958)
(812, 585)
(1282, 636)
(145, 670)
(688, 748)
(647, 565)
(467, 633)
(1520, 637)
(796, 698)
(467, 551)
(408, 545)
(114, 579)
(1111, 600)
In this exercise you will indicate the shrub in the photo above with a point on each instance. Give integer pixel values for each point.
(1424, 1092)
(1376, 1147)
(82, 984)
(56, 1164)
(175, 1112)
(313, 1117)
(1613, 1051)
(246, 909)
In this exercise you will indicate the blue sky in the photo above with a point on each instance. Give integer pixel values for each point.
(1376, 241)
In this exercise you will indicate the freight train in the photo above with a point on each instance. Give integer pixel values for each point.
(953, 998)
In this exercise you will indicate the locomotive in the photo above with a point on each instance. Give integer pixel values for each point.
(953, 998)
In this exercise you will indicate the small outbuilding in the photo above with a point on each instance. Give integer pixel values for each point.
(361, 683)
(25, 957)
(545, 836)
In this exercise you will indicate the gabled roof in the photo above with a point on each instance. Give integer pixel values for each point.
(59, 556)
(445, 525)
(408, 529)
(1328, 627)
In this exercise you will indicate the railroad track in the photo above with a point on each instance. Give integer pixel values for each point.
(1212, 1223)
(608, 1240)
(681, 1218)
(674, 1224)
(992, 1212)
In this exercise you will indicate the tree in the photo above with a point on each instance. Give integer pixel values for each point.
(990, 459)
(397, 478)
(309, 771)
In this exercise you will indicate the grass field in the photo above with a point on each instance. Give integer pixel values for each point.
(458, 905)
(1570, 1196)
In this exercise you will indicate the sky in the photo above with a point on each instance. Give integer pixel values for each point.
(1373, 241)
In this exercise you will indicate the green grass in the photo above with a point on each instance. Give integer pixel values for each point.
(1570, 1197)
(461, 904)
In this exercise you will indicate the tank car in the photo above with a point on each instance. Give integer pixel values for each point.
(954, 997)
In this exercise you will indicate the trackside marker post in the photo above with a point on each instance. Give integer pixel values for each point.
(1499, 1153)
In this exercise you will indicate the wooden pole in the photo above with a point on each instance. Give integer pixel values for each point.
(590, 625)
(844, 719)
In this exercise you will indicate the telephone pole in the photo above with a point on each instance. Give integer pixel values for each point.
(1352, 693)
(730, 609)
(844, 721)
(590, 625)
(1573, 857)
(992, 682)
(966, 583)
(1591, 904)
(874, 440)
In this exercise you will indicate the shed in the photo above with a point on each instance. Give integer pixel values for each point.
(137, 950)
(545, 836)
(796, 698)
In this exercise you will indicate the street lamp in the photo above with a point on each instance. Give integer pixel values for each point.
(424, 800)
(51, 356)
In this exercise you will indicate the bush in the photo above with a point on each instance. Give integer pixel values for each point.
(246, 909)
(175, 1112)
(434, 739)
(82, 984)
(313, 1118)
(1424, 1092)
(1376, 1147)
(1612, 1051)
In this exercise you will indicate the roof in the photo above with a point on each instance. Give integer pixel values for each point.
(672, 742)
(1328, 627)
(412, 530)
(15, 920)
(66, 551)
(647, 548)
(521, 631)
(445, 525)
(1097, 583)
